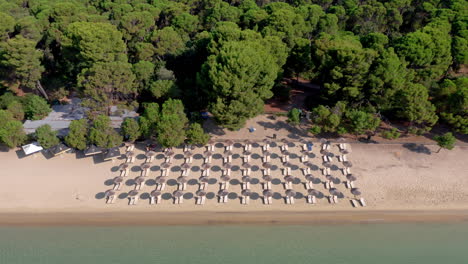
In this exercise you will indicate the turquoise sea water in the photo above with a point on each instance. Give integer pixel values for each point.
(360, 244)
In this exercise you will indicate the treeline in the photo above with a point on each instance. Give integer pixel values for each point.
(397, 59)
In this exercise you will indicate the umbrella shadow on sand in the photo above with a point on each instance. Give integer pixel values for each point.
(100, 195)
(123, 196)
(109, 182)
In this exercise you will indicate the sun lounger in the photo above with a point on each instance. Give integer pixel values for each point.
(135, 200)
(327, 185)
(245, 185)
(270, 200)
(245, 199)
(309, 199)
(287, 200)
(363, 203)
(291, 200)
(351, 184)
(348, 184)
(331, 184)
(304, 147)
(304, 159)
(314, 200)
(201, 200)
(324, 146)
(327, 146)
(354, 203)
(152, 200)
(335, 199)
(330, 199)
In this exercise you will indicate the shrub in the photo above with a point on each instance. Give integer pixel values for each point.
(315, 130)
(391, 134)
(446, 141)
(16, 108)
(11, 130)
(36, 107)
(294, 116)
(196, 135)
(46, 137)
(77, 134)
(130, 129)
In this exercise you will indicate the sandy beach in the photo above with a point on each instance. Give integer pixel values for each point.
(398, 183)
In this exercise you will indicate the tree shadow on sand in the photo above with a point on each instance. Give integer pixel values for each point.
(418, 148)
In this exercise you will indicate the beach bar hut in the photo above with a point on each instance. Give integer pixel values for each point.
(31, 148)
(58, 149)
(92, 150)
(112, 153)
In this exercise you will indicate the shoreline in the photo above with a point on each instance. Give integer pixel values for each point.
(190, 218)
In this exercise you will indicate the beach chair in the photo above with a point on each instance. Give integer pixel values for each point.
(291, 200)
(324, 146)
(331, 184)
(270, 200)
(351, 184)
(330, 199)
(348, 184)
(304, 147)
(314, 200)
(304, 159)
(354, 203)
(152, 200)
(135, 200)
(335, 199)
(309, 199)
(363, 203)
(327, 185)
(245, 199)
(327, 146)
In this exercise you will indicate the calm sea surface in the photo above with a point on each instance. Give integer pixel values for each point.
(360, 244)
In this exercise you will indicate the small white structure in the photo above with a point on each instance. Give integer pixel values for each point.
(31, 148)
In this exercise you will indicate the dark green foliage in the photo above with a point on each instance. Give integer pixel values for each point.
(46, 137)
(294, 116)
(446, 141)
(172, 123)
(360, 122)
(196, 135)
(11, 130)
(16, 108)
(391, 134)
(130, 129)
(149, 120)
(77, 135)
(35, 107)
(102, 134)
(396, 57)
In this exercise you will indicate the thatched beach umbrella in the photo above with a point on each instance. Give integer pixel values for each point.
(309, 177)
(130, 154)
(165, 165)
(109, 193)
(246, 179)
(246, 192)
(185, 166)
(182, 179)
(328, 177)
(356, 191)
(169, 153)
(228, 142)
(178, 194)
(324, 152)
(313, 192)
(208, 153)
(139, 180)
(227, 165)
(133, 193)
(161, 179)
(205, 166)
(227, 153)
(347, 164)
(285, 141)
(351, 177)
(211, 141)
(92, 150)
(266, 153)
(267, 178)
(327, 164)
(247, 153)
(225, 178)
(266, 165)
(247, 165)
(188, 154)
(118, 180)
(155, 193)
(288, 164)
(201, 193)
(289, 179)
(268, 193)
(124, 166)
(247, 141)
(266, 141)
(145, 165)
(334, 191)
(150, 154)
(223, 193)
(322, 140)
(204, 179)
(344, 151)
(290, 193)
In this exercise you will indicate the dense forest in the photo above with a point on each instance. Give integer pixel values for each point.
(396, 59)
